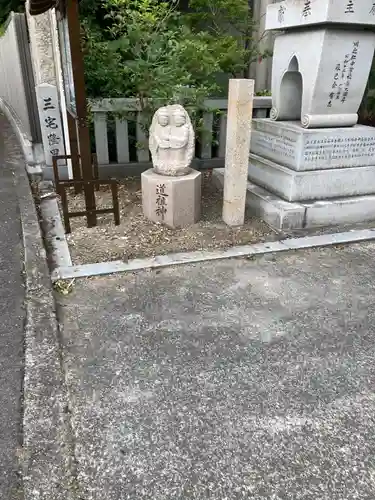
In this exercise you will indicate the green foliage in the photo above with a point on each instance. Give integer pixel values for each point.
(133, 47)
(148, 49)
(146, 52)
(149, 53)
(230, 20)
(7, 6)
(263, 93)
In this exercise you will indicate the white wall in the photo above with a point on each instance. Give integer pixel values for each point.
(14, 90)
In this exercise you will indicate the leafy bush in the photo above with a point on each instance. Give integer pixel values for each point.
(231, 20)
(149, 50)
(7, 6)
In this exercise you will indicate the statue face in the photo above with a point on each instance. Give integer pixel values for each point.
(163, 119)
(179, 118)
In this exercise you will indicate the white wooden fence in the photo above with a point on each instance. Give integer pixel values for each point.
(111, 112)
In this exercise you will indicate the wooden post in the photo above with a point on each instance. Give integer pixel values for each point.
(76, 167)
(240, 111)
(81, 107)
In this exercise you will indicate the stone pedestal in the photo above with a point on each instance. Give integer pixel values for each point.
(289, 144)
(327, 171)
(301, 164)
(311, 185)
(173, 201)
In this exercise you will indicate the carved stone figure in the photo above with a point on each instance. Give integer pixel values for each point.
(172, 141)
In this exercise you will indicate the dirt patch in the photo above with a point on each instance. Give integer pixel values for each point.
(137, 237)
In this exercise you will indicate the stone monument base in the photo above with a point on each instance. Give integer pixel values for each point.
(290, 145)
(311, 185)
(173, 201)
(324, 176)
(285, 215)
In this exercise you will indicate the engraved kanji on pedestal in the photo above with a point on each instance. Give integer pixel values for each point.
(50, 121)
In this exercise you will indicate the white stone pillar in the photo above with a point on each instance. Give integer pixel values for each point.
(60, 86)
(45, 54)
(240, 112)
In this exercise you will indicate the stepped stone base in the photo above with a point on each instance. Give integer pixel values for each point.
(285, 215)
(312, 185)
(300, 164)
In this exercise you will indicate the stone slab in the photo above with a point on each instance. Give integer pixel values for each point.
(291, 145)
(289, 13)
(173, 201)
(340, 211)
(284, 215)
(312, 185)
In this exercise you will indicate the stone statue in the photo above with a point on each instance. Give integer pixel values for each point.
(172, 141)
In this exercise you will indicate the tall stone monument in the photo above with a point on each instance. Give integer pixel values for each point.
(311, 152)
(171, 191)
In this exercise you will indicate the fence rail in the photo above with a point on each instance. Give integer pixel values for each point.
(122, 141)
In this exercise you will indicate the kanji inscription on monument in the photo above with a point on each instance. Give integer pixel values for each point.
(161, 201)
(50, 121)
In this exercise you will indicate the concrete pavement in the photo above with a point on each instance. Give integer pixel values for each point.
(35, 437)
(226, 380)
(12, 314)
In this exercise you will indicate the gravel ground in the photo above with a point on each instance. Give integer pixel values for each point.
(138, 237)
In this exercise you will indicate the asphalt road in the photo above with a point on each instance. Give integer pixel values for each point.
(242, 379)
(11, 332)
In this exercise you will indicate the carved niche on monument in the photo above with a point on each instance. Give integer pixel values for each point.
(171, 190)
(311, 150)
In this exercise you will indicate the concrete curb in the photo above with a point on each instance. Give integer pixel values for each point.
(52, 226)
(62, 267)
(47, 454)
(175, 259)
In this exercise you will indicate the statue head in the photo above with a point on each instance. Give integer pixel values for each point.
(163, 117)
(179, 117)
